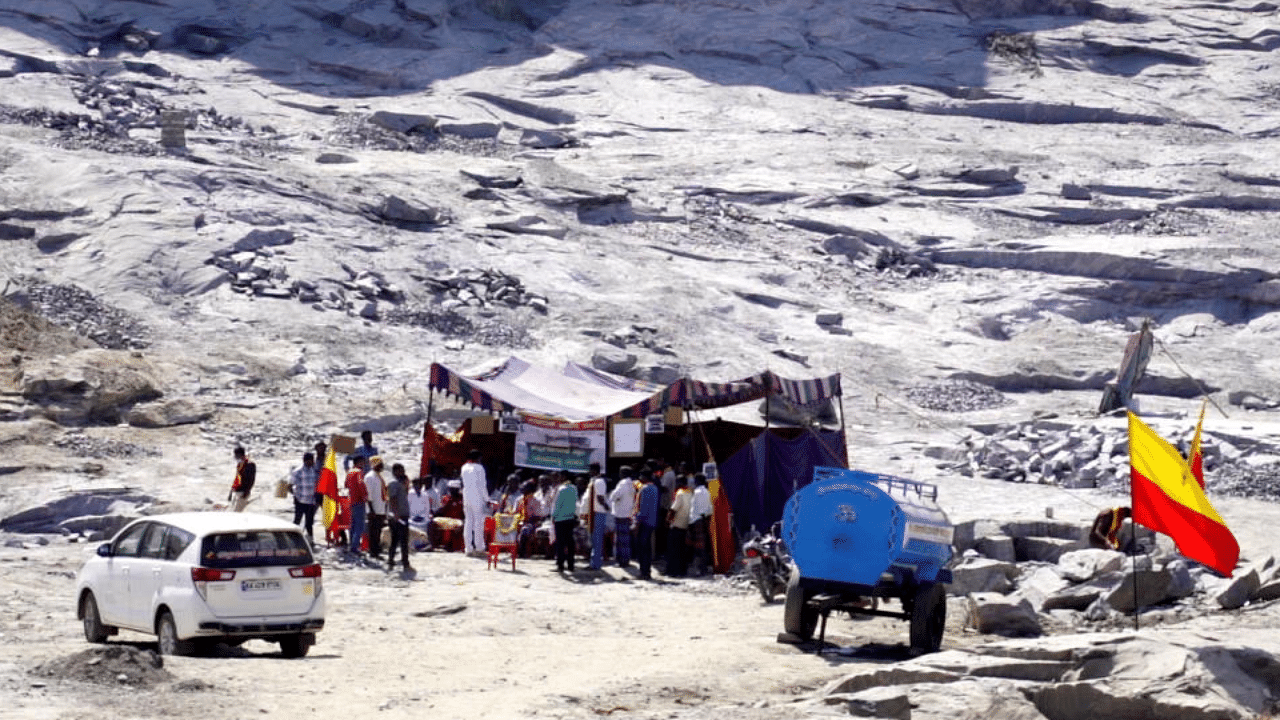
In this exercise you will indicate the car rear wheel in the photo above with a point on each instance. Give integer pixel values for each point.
(296, 646)
(94, 630)
(167, 633)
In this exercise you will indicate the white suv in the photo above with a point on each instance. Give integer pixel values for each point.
(199, 578)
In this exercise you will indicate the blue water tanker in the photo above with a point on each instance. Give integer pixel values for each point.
(857, 538)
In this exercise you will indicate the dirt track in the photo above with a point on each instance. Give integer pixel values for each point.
(455, 638)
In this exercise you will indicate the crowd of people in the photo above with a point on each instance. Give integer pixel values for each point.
(648, 511)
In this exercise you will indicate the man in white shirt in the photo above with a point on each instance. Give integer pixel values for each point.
(423, 503)
(598, 487)
(700, 523)
(377, 487)
(623, 502)
(475, 499)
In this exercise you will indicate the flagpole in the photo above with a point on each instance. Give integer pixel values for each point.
(1133, 558)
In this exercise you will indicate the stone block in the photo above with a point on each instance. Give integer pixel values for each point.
(1042, 549)
(1152, 588)
(1084, 565)
(998, 547)
(980, 575)
(403, 122)
(1239, 590)
(1008, 615)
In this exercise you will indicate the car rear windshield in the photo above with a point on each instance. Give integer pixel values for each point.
(254, 548)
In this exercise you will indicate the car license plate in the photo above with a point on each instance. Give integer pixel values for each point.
(253, 585)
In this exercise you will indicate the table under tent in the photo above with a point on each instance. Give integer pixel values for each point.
(530, 417)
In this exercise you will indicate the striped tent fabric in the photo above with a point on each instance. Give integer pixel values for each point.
(479, 391)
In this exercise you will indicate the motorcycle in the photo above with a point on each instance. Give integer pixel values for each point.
(768, 562)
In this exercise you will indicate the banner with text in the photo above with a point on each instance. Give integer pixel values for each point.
(548, 443)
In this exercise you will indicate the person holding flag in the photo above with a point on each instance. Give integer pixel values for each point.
(327, 489)
(1168, 497)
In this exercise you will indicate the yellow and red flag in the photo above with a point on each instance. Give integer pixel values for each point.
(327, 488)
(1168, 498)
(1195, 458)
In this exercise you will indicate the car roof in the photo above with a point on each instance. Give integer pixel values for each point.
(205, 523)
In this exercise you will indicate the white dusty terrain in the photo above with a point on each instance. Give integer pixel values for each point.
(993, 195)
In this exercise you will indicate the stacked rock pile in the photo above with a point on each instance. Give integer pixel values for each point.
(474, 287)
(77, 309)
(1071, 456)
(1018, 577)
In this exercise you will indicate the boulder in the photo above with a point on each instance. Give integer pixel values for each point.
(1152, 588)
(1084, 565)
(1071, 597)
(471, 131)
(1182, 582)
(1039, 582)
(980, 575)
(612, 360)
(1239, 590)
(529, 225)
(89, 385)
(167, 413)
(258, 239)
(400, 211)
(878, 702)
(403, 122)
(545, 139)
(1009, 615)
(332, 158)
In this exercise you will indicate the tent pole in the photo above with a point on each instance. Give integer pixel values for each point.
(844, 437)
(425, 465)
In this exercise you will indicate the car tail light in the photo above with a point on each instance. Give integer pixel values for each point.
(306, 571)
(204, 574)
(751, 552)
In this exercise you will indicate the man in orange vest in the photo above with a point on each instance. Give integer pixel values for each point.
(246, 474)
(1106, 528)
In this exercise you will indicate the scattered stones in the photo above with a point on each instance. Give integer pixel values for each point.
(956, 396)
(474, 287)
(81, 445)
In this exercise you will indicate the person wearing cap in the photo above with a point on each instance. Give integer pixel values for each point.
(376, 487)
(475, 495)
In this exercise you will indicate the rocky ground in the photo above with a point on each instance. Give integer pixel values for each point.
(965, 207)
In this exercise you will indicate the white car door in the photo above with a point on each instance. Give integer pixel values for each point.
(114, 602)
(146, 575)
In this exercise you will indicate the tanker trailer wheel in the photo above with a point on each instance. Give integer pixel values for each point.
(799, 617)
(928, 617)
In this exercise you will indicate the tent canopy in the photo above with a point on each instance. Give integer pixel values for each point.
(580, 392)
